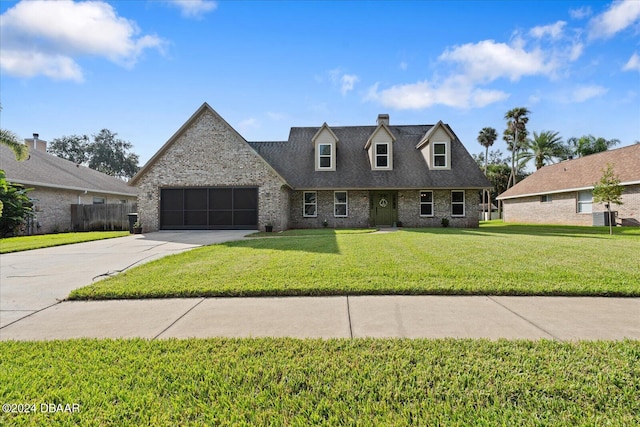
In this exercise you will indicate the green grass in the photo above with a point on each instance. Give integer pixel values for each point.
(26, 243)
(495, 259)
(309, 382)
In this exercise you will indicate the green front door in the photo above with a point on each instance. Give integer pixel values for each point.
(383, 207)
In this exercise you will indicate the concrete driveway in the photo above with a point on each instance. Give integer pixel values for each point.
(31, 281)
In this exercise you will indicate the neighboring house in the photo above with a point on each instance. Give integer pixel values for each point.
(57, 184)
(562, 193)
(207, 176)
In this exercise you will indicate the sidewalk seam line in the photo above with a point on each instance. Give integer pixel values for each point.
(526, 320)
(349, 318)
(178, 319)
(31, 314)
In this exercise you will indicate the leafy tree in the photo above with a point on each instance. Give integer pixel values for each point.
(588, 144)
(16, 206)
(73, 148)
(111, 155)
(486, 137)
(543, 147)
(608, 190)
(20, 150)
(515, 136)
(106, 153)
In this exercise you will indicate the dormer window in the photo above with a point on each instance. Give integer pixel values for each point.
(382, 155)
(325, 143)
(325, 155)
(440, 155)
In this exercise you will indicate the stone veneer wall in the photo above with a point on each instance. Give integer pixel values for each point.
(562, 209)
(357, 210)
(409, 209)
(210, 153)
(52, 206)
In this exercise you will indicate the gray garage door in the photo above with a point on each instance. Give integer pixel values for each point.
(208, 208)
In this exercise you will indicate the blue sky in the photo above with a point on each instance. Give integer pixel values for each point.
(141, 68)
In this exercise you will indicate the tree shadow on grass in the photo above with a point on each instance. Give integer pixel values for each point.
(325, 243)
(532, 230)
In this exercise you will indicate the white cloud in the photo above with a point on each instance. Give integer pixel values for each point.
(340, 78)
(454, 92)
(633, 64)
(194, 8)
(583, 93)
(273, 115)
(487, 60)
(620, 16)
(580, 13)
(403, 66)
(44, 37)
(554, 31)
(348, 81)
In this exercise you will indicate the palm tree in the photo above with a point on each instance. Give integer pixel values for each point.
(10, 139)
(515, 136)
(543, 148)
(486, 138)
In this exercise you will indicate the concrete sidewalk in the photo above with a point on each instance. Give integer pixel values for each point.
(557, 318)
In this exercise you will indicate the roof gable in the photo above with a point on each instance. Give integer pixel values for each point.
(324, 128)
(579, 174)
(204, 108)
(432, 132)
(381, 127)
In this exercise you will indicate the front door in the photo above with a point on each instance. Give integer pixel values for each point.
(383, 209)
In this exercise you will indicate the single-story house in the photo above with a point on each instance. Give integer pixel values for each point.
(58, 184)
(207, 176)
(562, 193)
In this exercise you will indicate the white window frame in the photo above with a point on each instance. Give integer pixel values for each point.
(345, 203)
(458, 203)
(546, 198)
(325, 156)
(584, 206)
(426, 203)
(386, 156)
(444, 155)
(305, 204)
(99, 200)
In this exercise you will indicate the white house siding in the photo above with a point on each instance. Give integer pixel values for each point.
(52, 206)
(209, 153)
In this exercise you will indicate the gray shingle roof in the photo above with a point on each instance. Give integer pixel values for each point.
(47, 170)
(294, 160)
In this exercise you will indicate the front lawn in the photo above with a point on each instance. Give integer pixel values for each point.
(25, 243)
(495, 259)
(311, 382)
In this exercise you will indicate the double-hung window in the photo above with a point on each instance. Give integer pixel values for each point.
(340, 204)
(585, 201)
(426, 203)
(440, 154)
(457, 203)
(310, 204)
(325, 156)
(382, 155)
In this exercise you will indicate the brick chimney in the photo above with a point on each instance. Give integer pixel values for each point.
(36, 143)
(383, 119)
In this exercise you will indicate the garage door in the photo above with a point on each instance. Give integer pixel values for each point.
(208, 208)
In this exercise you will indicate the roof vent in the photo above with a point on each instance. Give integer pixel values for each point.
(383, 119)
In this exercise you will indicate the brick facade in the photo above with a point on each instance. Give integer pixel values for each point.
(408, 210)
(52, 206)
(207, 152)
(562, 209)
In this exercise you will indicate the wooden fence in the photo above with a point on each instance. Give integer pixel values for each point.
(104, 217)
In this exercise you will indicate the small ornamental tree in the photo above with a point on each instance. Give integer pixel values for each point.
(608, 190)
(16, 207)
